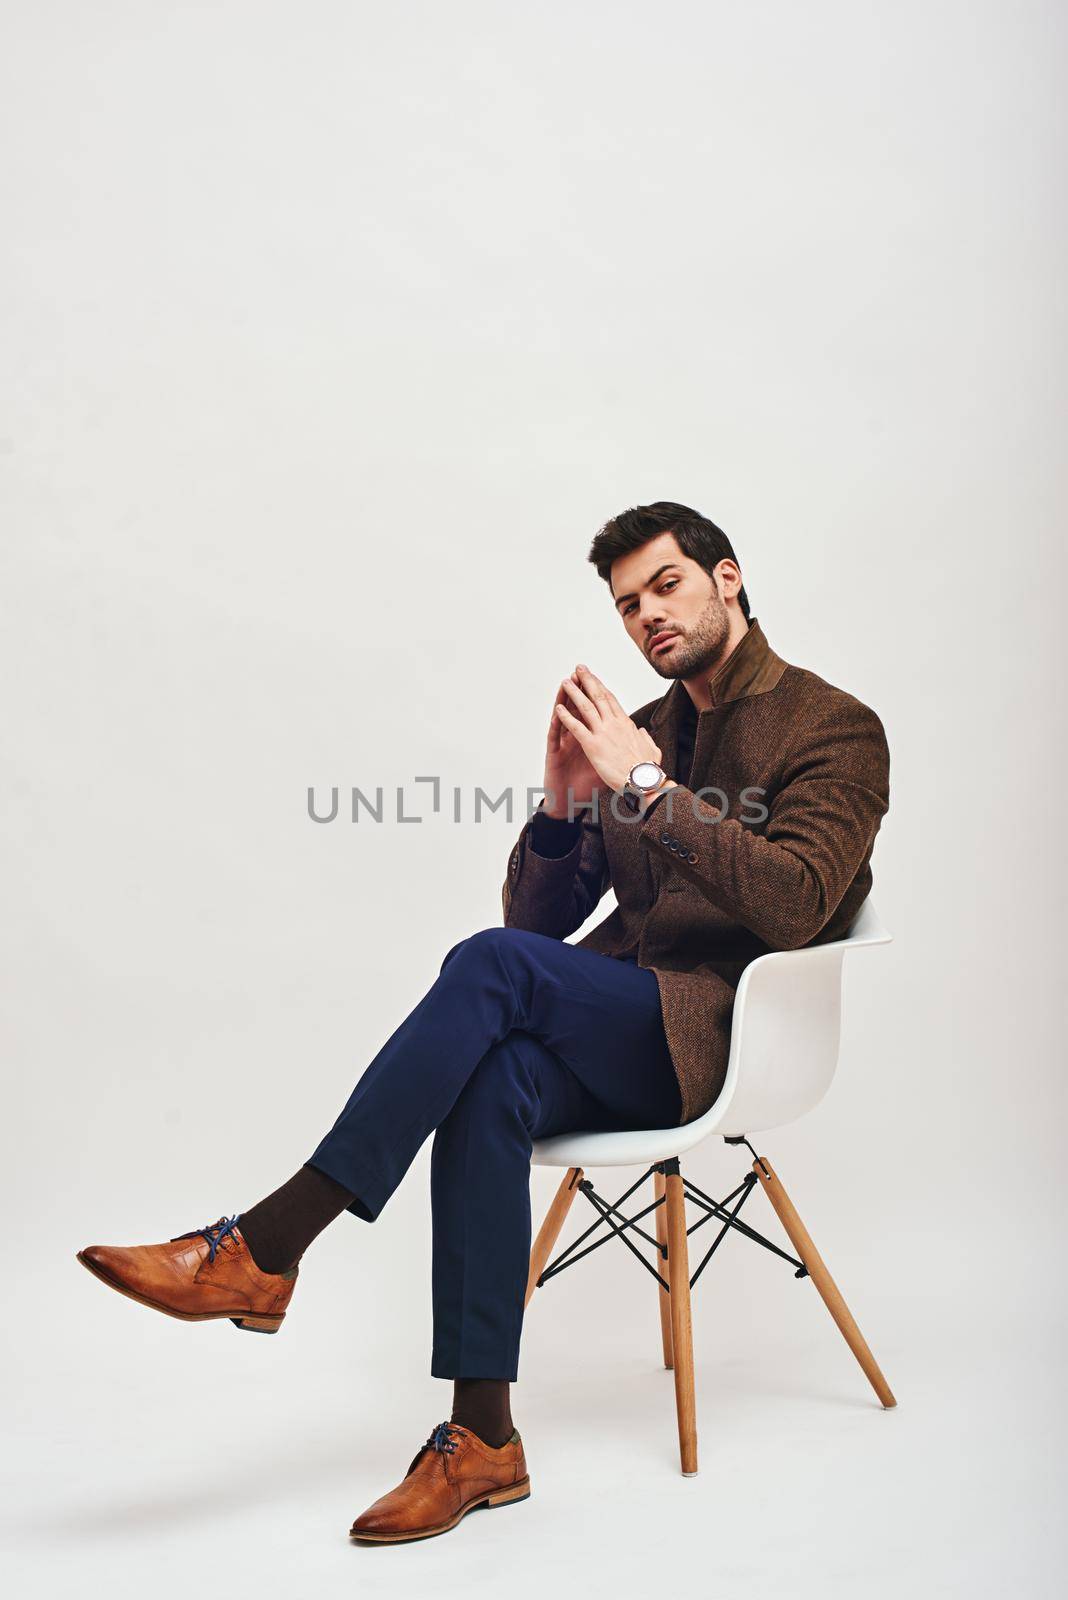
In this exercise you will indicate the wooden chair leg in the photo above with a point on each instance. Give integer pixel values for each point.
(661, 1293)
(549, 1231)
(681, 1327)
(825, 1284)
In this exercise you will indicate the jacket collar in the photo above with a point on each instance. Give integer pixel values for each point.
(751, 668)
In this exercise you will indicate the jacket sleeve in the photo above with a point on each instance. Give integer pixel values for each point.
(785, 883)
(555, 894)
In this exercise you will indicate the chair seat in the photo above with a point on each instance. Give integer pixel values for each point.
(618, 1149)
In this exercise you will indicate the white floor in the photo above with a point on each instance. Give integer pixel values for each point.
(150, 1457)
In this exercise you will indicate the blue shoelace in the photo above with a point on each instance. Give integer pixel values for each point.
(215, 1232)
(441, 1438)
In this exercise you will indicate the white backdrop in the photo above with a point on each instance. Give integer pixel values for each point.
(332, 333)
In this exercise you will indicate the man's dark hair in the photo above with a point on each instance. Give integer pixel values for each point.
(696, 537)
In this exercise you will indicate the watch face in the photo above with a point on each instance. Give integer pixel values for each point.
(646, 775)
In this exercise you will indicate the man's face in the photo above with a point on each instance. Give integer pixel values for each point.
(671, 607)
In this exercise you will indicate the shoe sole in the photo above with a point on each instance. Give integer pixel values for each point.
(248, 1324)
(499, 1497)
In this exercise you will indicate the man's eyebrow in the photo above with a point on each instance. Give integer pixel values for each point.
(648, 581)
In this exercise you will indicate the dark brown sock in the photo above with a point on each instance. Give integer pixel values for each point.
(279, 1229)
(484, 1405)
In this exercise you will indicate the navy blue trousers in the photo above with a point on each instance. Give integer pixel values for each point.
(520, 1036)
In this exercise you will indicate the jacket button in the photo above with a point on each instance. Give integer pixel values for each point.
(515, 860)
(692, 856)
(664, 839)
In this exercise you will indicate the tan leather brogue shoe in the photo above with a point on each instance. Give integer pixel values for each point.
(197, 1276)
(455, 1472)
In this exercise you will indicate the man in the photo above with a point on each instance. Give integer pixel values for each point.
(734, 815)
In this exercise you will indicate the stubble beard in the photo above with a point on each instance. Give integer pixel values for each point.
(700, 647)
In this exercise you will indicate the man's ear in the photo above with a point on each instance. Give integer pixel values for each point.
(728, 577)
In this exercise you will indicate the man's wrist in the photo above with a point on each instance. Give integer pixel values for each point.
(646, 800)
(572, 813)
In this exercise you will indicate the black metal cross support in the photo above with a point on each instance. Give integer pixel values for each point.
(568, 1257)
(715, 1210)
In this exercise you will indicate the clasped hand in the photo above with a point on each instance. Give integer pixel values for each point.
(607, 737)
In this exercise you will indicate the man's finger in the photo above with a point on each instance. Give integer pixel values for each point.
(574, 724)
(559, 697)
(599, 691)
(582, 701)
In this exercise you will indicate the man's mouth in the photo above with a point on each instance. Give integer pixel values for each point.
(661, 641)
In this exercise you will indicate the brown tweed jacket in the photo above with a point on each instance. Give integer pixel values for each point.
(775, 856)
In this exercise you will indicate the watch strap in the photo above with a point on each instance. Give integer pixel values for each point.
(655, 801)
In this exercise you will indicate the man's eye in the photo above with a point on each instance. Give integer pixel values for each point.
(665, 588)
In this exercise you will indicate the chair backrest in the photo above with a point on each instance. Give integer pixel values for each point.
(785, 1032)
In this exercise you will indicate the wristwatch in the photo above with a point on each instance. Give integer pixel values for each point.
(644, 779)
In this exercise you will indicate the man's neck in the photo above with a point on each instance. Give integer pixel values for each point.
(697, 685)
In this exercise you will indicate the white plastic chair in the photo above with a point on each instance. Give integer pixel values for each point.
(785, 1032)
